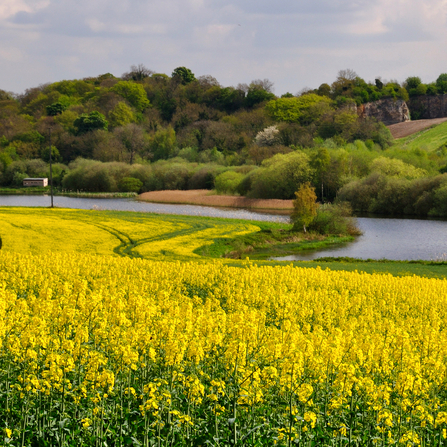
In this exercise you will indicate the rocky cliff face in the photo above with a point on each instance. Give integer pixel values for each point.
(388, 110)
(428, 106)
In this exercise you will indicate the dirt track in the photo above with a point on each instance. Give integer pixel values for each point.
(203, 197)
(401, 130)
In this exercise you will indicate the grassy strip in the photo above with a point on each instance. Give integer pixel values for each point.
(24, 191)
(273, 239)
(98, 195)
(47, 190)
(394, 268)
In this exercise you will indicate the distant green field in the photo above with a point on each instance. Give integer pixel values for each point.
(428, 139)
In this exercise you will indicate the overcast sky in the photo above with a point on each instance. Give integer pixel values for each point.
(294, 43)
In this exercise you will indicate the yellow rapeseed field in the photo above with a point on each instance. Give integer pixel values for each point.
(37, 230)
(102, 350)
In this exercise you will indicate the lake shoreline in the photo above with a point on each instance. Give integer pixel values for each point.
(80, 194)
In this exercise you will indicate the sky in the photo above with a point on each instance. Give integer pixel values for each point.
(296, 44)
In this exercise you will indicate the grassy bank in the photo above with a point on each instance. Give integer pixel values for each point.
(47, 190)
(98, 195)
(273, 240)
(24, 191)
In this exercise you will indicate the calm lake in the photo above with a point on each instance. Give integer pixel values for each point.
(396, 239)
(135, 205)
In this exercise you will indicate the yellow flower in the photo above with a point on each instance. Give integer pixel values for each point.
(86, 422)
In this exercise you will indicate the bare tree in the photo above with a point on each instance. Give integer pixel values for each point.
(265, 84)
(304, 91)
(347, 75)
(242, 87)
(208, 81)
(137, 73)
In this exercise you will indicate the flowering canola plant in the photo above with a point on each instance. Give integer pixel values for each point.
(102, 350)
(143, 235)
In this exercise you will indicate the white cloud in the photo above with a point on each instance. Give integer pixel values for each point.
(9, 8)
(294, 43)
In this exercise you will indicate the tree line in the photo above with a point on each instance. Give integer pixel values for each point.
(148, 131)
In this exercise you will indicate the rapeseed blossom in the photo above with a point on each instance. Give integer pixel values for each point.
(97, 350)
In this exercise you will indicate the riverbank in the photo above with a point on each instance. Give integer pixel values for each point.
(47, 191)
(205, 197)
(273, 240)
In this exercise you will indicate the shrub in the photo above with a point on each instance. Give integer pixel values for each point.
(334, 219)
(228, 182)
(281, 176)
(204, 177)
(130, 184)
(17, 179)
(440, 202)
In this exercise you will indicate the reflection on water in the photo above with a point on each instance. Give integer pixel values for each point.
(134, 205)
(396, 239)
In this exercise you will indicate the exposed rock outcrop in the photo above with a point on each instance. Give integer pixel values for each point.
(428, 106)
(388, 110)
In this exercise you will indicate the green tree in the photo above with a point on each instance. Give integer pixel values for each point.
(121, 115)
(324, 90)
(304, 207)
(279, 176)
(90, 121)
(292, 109)
(256, 94)
(414, 86)
(163, 143)
(45, 154)
(441, 83)
(185, 75)
(320, 161)
(412, 82)
(132, 92)
(55, 109)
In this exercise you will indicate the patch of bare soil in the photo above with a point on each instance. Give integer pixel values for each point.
(401, 130)
(206, 198)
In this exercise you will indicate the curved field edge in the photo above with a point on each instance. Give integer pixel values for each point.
(143, 235)
(162, 237)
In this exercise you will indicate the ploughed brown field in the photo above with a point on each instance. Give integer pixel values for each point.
(208, 198)
(401, 130)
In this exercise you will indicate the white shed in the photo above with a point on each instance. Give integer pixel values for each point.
(35, 182)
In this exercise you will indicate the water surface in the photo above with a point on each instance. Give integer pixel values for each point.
(386, 238)
(130, 204)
